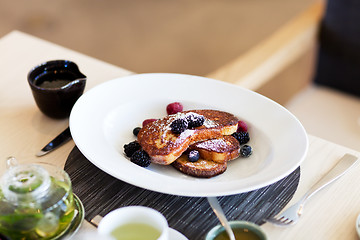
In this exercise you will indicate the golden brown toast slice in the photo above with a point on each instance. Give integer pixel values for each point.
(201, 168)
(164, 146)
(219, 150)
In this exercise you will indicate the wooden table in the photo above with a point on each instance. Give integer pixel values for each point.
(330, 214)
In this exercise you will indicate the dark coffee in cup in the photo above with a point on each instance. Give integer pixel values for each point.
(56, 86)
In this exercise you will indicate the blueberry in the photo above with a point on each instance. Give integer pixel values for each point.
(179, 125)
(141, 158)
(193, 156)
(245, 151)
(136, 131)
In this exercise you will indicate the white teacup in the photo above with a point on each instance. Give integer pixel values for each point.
(146, 221)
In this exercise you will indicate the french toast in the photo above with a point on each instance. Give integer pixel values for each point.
(219, 150)
(214, 154)
(164, 146)
(201, 168)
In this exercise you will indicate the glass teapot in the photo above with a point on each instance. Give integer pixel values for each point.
(36, 201)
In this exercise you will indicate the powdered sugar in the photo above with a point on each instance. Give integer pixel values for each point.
(216, 144)
(185, 134)
(163, 126)
(193, 116)
(209, 123)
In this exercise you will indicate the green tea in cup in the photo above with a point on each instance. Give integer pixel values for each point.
(139, 231)
(134, 222)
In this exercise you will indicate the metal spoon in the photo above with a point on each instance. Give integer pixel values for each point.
(221, 216)
(73, 82)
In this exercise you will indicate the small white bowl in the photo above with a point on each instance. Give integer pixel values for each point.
(134, 214)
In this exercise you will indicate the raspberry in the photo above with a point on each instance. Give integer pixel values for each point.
(242, 126)
(173, 108)
(242, 137)
(136, 131)
(179, 125)
(195, 120)
(245, 151)
(141, 158)
(147, 121)
(193, 156)
(130, 148)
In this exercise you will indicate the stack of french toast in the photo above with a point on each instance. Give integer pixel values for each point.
(208, 133)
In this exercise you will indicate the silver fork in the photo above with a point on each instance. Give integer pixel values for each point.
(292, 214)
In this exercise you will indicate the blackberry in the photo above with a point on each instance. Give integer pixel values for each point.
(131, 148)
(245, 151)
(195, 120)
(242, 137)
(179, 125)
(141, 158)
(136, 131)
(193, 156)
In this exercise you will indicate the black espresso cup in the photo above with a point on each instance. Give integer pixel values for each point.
(56, 86)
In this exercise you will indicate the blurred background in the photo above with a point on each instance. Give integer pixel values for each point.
(182, 36)
(193, 37)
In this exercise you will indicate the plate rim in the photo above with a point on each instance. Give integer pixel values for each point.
(186, 76)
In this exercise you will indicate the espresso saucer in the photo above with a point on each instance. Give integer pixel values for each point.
(176, 235)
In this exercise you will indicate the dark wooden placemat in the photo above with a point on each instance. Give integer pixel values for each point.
(101, 193)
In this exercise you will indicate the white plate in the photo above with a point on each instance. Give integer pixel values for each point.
(102, 121)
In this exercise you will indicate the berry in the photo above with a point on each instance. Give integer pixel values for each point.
(173, 108)
(195, 120)
(242, 126)
(131, 148)
(136, 131)
(179, 125)
(141, 158)
(193, 156)
(245, 151)
(242, 137)
(147, 121)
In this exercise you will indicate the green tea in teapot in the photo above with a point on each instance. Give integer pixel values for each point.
(34, 204)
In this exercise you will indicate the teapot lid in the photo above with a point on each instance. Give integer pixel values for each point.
(25, 182)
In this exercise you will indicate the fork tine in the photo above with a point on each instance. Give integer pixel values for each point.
(287, 221)
(281, 221)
